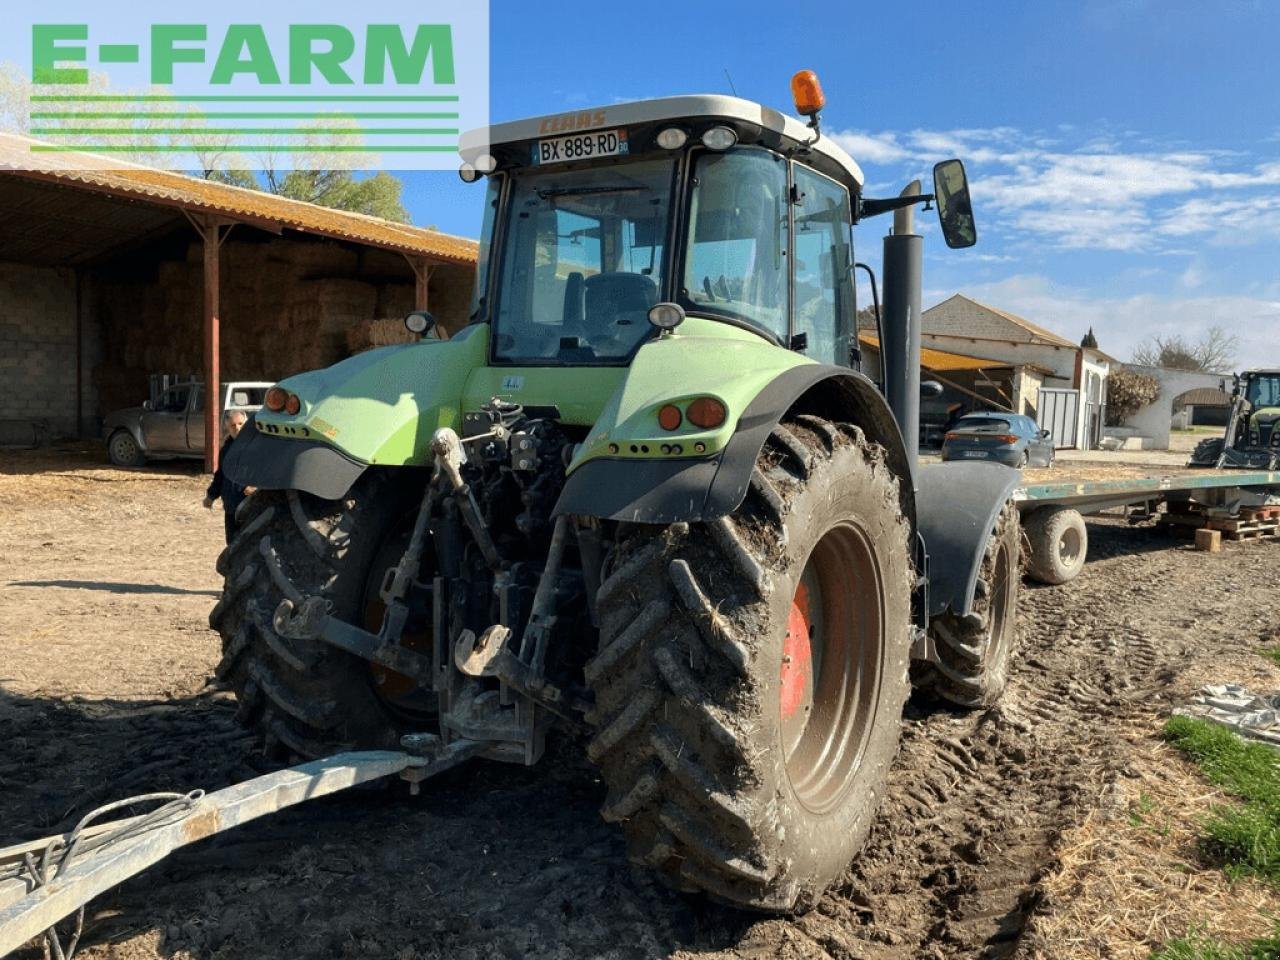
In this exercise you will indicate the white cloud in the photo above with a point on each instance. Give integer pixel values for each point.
(870, 148)
(1118, 192)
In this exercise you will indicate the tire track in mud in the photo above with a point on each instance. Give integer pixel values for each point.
(497, 860)
(977, 801)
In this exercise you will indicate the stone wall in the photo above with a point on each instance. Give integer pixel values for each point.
(38, 346)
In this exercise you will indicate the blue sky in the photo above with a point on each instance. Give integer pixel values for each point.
(1124, 155)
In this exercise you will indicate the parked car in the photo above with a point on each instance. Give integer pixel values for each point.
(1008, 438)
(172, 426)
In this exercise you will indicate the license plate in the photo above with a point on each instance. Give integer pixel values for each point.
(581, 146)
(976, 453)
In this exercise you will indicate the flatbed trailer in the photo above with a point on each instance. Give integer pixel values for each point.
(1053, 511)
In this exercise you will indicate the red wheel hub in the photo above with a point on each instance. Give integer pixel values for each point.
(797, 657)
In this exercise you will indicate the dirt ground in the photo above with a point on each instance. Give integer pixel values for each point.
(1055, 825)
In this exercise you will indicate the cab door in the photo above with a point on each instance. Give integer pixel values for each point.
(164, 426)
(822, 265)
(195, 420)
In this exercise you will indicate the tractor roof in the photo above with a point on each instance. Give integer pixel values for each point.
(697, 107)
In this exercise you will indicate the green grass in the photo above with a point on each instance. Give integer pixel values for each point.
(1197, 947)
(1271, 653)
(1246, 838)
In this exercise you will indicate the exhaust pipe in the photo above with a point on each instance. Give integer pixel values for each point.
(900, 351)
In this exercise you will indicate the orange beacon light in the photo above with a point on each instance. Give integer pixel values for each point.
(807, 92)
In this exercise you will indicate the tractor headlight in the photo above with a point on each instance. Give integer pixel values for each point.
(672, 138)
(719, 138)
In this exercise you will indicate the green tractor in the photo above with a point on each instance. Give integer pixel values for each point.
(1252, 439)
(646, 496)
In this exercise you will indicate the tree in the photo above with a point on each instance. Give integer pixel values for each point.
(1127, 393)
(1090, 340)
(377, 196)
(1215, 352)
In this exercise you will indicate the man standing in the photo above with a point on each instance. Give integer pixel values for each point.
(231, 493)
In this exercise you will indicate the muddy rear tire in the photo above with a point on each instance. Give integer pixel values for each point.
(974, 650)
(306, 698)
(752, 671)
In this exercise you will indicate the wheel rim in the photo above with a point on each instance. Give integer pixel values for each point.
(1069, 547)
(399, 693)
(122, 447)
(832, 665)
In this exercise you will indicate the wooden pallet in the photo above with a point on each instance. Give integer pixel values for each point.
(1253, 523)
(1241, 526)
(1259, 532)
(1260, 513)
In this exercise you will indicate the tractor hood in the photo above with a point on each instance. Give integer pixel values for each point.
(383, 405)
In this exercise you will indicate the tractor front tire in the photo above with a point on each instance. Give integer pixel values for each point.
(1206, 452)
(973, 651)
(306, 698)
(752, 671)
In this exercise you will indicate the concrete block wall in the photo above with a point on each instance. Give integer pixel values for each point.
(38, 346)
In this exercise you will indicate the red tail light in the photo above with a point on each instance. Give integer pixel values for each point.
(706, 412)
(1007, 438)
(275, 399)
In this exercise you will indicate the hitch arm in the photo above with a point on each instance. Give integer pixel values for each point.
(311, 621)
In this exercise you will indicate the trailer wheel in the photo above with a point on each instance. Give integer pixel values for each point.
(1058, 543)
(974, 650)
(304, 697)
(752, 671)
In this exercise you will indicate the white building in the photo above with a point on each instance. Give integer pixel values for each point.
(1061, 384)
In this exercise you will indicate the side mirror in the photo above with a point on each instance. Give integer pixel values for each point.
(146, 405)
(419, 322)
(930, 390)
(1045, 434)
(955, 211)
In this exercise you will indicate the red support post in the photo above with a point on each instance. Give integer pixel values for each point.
(212, 387)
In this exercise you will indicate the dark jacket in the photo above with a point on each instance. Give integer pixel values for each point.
(222, 486)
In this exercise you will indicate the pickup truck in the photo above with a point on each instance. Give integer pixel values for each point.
(172, 426)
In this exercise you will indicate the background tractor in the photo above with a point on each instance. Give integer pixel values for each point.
(646, 495)
(1252, 438)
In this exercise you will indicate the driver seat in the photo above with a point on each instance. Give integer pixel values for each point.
(618, 299)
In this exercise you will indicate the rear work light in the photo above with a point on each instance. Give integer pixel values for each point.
(275, 399)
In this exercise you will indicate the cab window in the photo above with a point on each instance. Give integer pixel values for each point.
(823, 266)
(174, 401)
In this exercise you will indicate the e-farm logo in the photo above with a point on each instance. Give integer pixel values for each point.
(393, 88)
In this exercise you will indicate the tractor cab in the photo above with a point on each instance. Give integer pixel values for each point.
(1252, 439)
(732, 211)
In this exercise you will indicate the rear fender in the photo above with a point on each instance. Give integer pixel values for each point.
(666, 492)
(959, 504)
